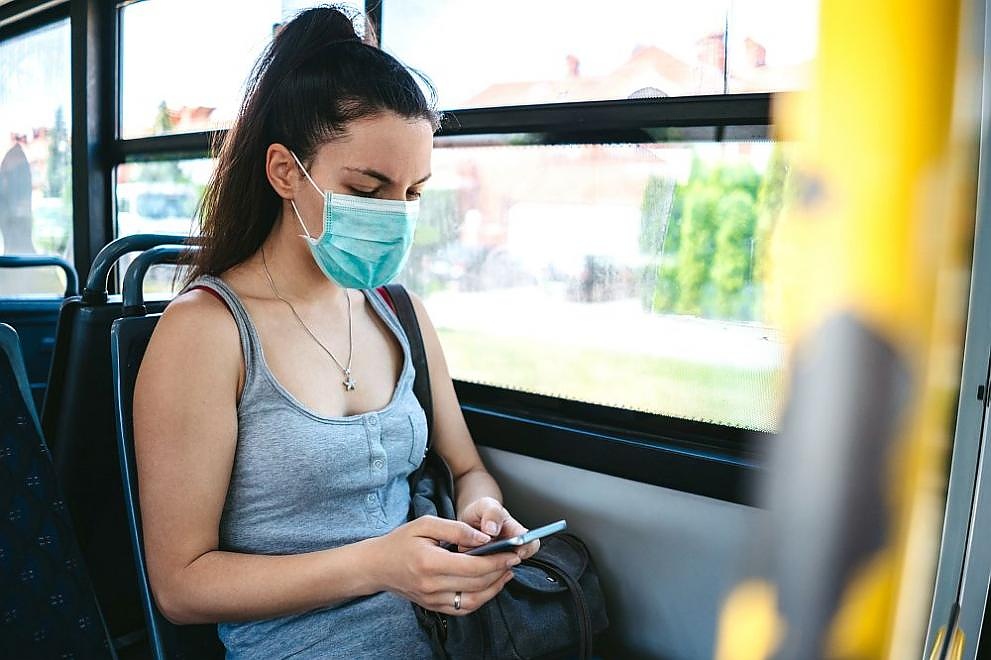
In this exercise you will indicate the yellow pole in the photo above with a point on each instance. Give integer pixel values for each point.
(872, 250)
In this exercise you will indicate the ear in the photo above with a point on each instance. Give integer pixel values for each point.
(282, 172)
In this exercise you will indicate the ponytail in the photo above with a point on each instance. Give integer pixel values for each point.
(316, 76)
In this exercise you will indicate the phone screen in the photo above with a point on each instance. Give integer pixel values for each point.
(503, 545)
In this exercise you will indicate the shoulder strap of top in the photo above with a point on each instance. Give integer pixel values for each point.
(398, 299)
(250, 341)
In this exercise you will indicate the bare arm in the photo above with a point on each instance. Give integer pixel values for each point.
(479, 500)
(185, 423)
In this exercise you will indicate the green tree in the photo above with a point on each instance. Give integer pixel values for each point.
(58, 156)
(163, 120)
(655, 214)
(660, 217)
(732, 258)
(167, 171)
(666, 290)
(697, 244)
(701, 256)
(738, 177)
(436, 226)
(771, 199)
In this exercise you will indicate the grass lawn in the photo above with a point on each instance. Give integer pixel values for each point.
(728, 395)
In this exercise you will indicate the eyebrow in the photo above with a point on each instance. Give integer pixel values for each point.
(375, 174)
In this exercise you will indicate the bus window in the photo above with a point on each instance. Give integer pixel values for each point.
(35, 168)
(160, 198)
(640, 269)
(637, 49)
(158, 94)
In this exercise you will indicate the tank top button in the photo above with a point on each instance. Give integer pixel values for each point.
(377, 464)
(373, 421)
(371, 498)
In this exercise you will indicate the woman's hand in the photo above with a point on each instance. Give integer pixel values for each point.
(489, 516)
(410, 561)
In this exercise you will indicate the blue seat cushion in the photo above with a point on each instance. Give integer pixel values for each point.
(48, 609)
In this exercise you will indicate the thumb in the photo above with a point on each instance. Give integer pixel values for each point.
(492, 518)
(486, 514)
(451, 531)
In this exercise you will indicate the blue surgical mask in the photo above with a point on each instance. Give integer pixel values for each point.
(365, 241)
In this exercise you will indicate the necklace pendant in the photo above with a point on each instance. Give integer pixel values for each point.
(349, 383)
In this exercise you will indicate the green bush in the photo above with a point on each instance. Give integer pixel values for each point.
(705, 240)
(732, 260)
(697, 245)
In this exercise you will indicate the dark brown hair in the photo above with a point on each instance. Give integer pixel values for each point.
(315, 77)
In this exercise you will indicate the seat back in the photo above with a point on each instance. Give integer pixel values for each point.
(49, 609)
(77, 420)
(128, 341)
(34, 318)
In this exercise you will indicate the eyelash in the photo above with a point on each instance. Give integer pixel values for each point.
(411, 196)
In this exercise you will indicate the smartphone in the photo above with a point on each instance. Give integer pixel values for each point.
(503, 545)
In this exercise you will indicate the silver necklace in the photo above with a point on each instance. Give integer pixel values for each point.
(349, 383)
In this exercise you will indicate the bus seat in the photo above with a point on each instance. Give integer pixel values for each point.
(49, 609)
(128, 341)
(34, 318)
(77, 420)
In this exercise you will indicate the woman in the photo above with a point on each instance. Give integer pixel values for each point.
(274, 415)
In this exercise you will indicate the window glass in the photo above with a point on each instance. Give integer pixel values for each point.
(771, 44)
(519, 52)
(631, 277)
(35, 158)
(160, 197)
(220, 41)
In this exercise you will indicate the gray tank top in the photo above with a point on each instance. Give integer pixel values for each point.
(303, 482)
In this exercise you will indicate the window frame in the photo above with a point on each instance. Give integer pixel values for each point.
(19, 17)
(699, 457)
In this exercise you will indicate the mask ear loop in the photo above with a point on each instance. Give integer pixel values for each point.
(293, 203)
(300, 218)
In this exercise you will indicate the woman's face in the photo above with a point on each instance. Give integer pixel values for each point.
(384, 157)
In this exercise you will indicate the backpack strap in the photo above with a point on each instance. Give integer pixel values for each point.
(398, 299)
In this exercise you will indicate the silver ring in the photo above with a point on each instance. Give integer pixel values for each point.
(457, 600)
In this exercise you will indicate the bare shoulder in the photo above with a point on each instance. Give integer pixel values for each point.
(415, 297)
(421, 310)
(431, 341)
(197, 318)
(196, 334)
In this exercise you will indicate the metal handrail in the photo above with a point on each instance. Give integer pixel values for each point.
(132, 288)
(95, 291)
(41, 260)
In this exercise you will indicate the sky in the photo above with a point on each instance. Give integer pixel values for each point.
(199, 52)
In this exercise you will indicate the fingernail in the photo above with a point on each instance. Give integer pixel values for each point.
(481, 538)
(491, 527)
(513, 562)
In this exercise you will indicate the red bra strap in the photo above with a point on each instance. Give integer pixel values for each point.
(211, 292)
(384, 292)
